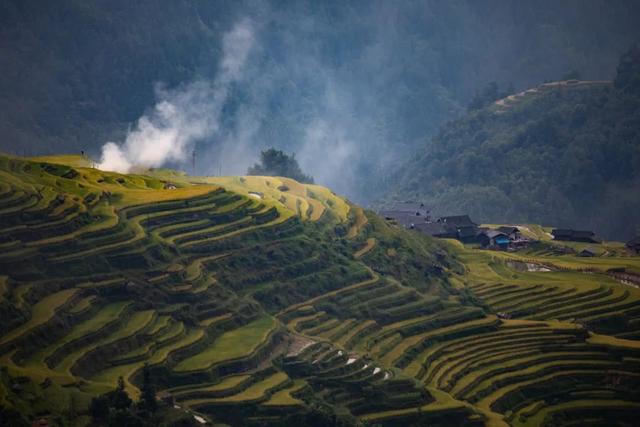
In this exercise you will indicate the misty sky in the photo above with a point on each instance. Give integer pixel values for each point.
(353, 88)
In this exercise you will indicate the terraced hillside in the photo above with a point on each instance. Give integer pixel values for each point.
(259, 300)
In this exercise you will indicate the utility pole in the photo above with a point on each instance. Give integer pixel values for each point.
(193, 159)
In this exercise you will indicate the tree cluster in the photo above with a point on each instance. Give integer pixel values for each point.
(278, 163)
(488, 95)
(567, 155)
(117, 409)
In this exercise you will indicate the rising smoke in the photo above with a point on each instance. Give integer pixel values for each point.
(183, 115)
(292, 95)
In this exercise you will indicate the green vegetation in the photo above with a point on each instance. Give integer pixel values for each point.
(42, 312)
(231, 345)
(272, 311)
(278, 163)
(59, 96)
(285, 396)
(258, 390)
(562, 154)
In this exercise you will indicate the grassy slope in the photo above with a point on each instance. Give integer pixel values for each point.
(557, 154)
(383, 306)
(232, 345)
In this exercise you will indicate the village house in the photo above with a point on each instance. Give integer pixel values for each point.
(407, 214)
(461, 227)
(415, 216)
(169, 186)
(494, 239)
(518, 240)
(503, 238)
(574, 235)
(587, 252)
(436, 229)
(633, 245)
(511, 231)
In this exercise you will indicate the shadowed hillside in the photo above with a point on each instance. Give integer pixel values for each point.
(565, 153)
(263, 301)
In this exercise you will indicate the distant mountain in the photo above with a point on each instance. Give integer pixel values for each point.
(565, 153)
(365, 81)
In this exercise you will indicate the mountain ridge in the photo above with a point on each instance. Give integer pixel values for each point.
(563, 153)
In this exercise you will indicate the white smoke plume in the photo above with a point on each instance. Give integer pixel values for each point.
(183, 115)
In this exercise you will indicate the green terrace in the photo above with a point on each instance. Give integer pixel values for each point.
(260, 299)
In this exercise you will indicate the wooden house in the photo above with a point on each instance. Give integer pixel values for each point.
(587, 252)
(633, 245)
(513, 232)
(460, 226)
(494, 239)
(406, 214)
(436, 229)
(457, 221)
(574, 235)
(415, 216)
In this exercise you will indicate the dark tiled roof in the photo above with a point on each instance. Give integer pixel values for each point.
(408, 206)
(576, 235)
(458, 221)
(396, 214)
(467, 232)
(494, 233)
(572, 233)
(508, 230)
(404, 218)
(432, 228)
(634, 242)
(583, 233)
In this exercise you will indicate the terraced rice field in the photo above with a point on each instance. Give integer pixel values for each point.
(235, 344)
(259, 300)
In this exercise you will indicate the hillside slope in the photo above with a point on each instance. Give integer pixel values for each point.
(262, 301)
(563, 154)
(103, 274)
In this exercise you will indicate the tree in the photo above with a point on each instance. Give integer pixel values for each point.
(114, 408)
(278, 163)
(148, 398)
(99, 408)
(119, 397)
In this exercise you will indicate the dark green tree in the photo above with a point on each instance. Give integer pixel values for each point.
(278, 163)
(99, 408)
(148, 401)
(119, 398)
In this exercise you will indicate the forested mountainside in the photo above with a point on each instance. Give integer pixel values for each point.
(164, 299)
(333, 81)
(565, 153)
